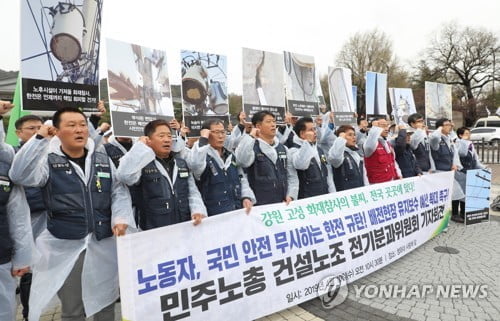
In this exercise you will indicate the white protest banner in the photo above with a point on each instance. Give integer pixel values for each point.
(240, 267)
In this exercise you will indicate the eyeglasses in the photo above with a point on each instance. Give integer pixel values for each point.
(218, 132)
(32, 128)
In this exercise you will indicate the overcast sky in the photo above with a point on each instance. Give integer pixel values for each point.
(313, 27)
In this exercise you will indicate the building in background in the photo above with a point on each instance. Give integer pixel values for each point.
(8, 81)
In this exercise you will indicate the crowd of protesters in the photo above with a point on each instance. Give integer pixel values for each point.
(71, 187)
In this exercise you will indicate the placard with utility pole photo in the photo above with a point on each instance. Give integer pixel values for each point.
(341, 96)
(138, 87)
(403, 104)
(60, 54)
(302, 87)
(477, 196)
(376, 94)
(437, 102)
(204, 89)
(263, 83)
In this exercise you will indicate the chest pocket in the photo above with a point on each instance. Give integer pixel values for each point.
(182, 173)
(182, 181)
(314, 172)
(265, 168)
(282, 156)
(5, 188)
(216, 176)
(154, 184)
(383, 156)
(116, 159)
(62, 174)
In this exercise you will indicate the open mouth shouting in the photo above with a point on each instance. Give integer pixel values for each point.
(80, 139)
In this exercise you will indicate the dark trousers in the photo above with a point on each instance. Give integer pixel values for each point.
(24, 294)
(71, 297)
(454, 208)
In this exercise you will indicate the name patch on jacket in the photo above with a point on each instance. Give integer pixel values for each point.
(212, 168)
(4, 181)
(103, 175)
(101, 165)
(151, 170)
(183, 172)
(62, 166)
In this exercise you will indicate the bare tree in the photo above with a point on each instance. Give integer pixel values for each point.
(371, 51)
(465, 57)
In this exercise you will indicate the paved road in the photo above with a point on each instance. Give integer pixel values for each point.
(477, 263)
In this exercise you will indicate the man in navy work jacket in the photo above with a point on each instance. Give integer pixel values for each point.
(222, 183)
(168, 191)
(270, 172)
(419, 142)
(348, 166)
(404, 155)
(16, 240)
(315, 176)
(86, 205)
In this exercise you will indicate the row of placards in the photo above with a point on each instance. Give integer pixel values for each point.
(139, 87)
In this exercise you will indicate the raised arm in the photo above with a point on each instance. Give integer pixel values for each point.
(30, 167)
(336, 153)
(435, 138)
(301, 156)
(244, 153)
(198, 156)
(400, 145)
(132, 163)
(371, 141)
(418, 137)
